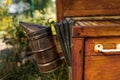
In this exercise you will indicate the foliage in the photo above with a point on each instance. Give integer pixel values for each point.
(41, 4)
(60, 74)
(11, 70)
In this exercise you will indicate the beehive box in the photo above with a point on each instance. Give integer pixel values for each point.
(96, 37)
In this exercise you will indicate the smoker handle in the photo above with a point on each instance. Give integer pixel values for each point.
(99, 48)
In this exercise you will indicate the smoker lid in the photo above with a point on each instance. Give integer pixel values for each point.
(32, 28)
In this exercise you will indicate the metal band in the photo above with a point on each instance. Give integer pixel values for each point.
(43, 49)
(40, 36)
(47, 64)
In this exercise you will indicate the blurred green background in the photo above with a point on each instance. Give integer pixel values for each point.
(15, 41)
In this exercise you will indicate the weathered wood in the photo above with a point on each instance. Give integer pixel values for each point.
(59, 9)
(77, 59)
(69, 13)
(91, 4)
(86, 63)
(87, 8)
(96, 65)
(93, 18)
(95, 31)
(107, 42)
(102, 68)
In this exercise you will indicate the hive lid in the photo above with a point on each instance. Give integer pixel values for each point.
(32, 28)
(67, 8)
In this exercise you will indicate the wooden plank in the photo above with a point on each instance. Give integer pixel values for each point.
(59, 9)
(91, 4)
(91, 7)
(77, 59)
(91, 12)
(107, 42)
(96, 31)
(94, 18)
(102, 68)
(70, 8)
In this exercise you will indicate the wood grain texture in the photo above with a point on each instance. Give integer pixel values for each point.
(96, 66)
(91, 4)
(102, 68)
(59, 10)
(106, 12)
(77, 59)
(96, 31)
(107, 42)
(87, 8)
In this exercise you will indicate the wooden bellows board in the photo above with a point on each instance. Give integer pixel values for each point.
(95, 37)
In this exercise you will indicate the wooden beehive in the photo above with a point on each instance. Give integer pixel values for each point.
(96, 37)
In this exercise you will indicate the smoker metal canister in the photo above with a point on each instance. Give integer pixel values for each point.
(42, 44)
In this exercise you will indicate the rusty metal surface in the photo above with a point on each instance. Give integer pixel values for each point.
(43, 46)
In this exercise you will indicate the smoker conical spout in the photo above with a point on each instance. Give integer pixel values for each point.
(30, 27)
